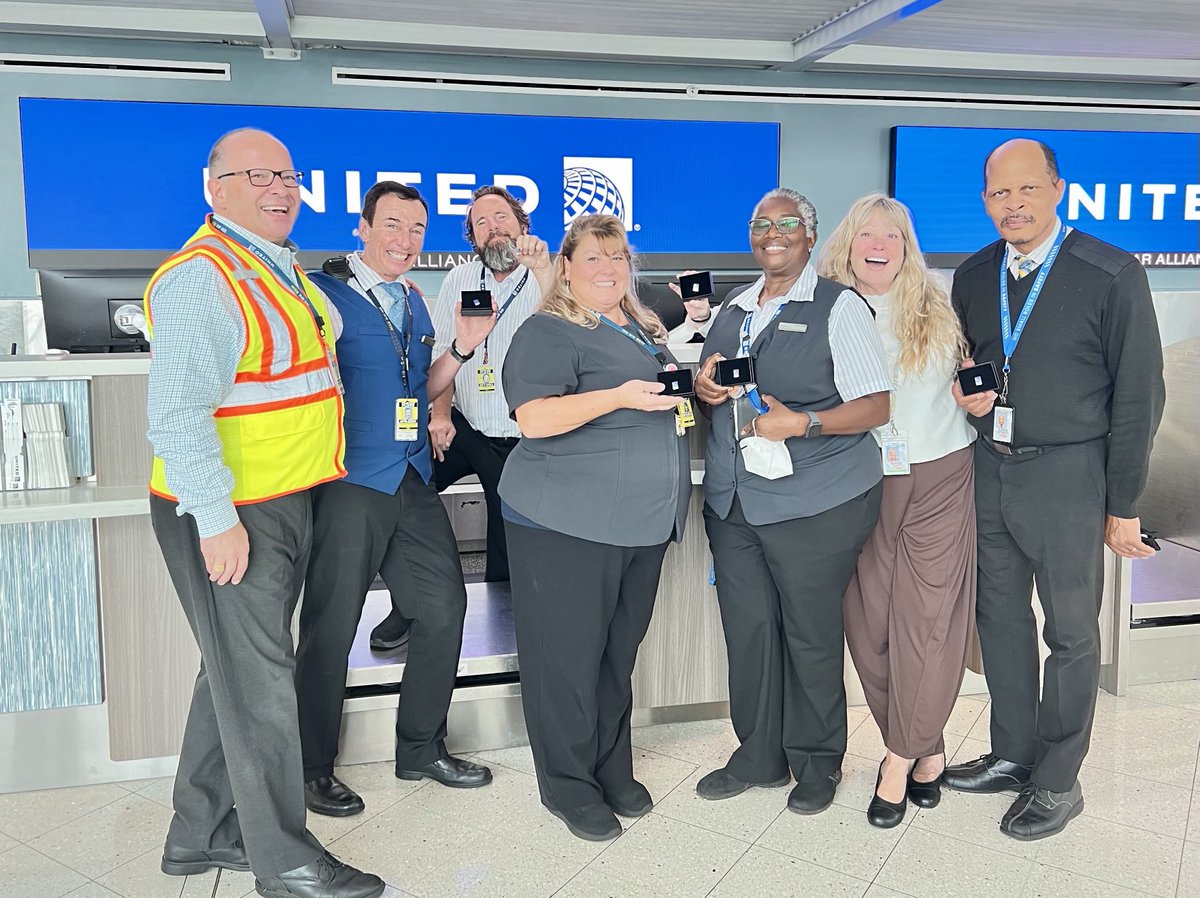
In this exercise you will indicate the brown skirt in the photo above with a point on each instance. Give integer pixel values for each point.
(910, 606)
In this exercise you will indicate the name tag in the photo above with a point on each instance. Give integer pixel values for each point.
(408, 417)
(794, 328)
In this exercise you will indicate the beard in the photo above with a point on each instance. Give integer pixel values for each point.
(499, 255)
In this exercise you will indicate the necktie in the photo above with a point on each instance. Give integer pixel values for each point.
(1025, 264)
(396, 293)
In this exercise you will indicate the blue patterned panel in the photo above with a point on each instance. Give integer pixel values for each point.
(49, 622)
(73, 395)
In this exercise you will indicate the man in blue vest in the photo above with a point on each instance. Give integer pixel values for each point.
(385, 517)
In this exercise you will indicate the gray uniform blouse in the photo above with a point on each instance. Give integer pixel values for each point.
(624, 478)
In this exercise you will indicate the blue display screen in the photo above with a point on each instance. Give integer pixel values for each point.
(1137, 190)
(115, 175)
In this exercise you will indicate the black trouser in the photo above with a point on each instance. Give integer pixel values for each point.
(471, 452)
(581, 610)
(780, 589)
(1041, 518)
(239, 773)
(405, 538)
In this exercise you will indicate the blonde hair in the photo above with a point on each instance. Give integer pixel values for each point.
(922, 317)
(610, 233)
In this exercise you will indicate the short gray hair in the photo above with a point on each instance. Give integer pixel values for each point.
(808, 212)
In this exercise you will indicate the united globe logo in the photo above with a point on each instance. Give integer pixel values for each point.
(598, 186)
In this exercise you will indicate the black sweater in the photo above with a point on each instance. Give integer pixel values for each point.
(1089, 363)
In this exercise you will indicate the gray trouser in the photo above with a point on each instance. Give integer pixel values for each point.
(1041, 518)
(240, 774)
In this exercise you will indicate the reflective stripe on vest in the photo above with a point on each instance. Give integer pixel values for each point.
(281, 425)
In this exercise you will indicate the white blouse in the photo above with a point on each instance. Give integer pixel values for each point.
(922, 405)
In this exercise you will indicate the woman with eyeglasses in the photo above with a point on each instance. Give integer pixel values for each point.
(910, 604)
(591, 496)
(791, 486)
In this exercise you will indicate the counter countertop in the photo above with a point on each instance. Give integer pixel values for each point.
(66, 365)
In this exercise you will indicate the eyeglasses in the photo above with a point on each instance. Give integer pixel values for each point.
(264, 177)
(787, 225)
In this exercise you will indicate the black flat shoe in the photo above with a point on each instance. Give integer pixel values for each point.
(328, 795)
(814, 797)
(1039, 813)
(391, 633)
(326, 877)
(177, 861)
(594, 823)
(721, 784)
(881, 812)
(926, 795)
(450, 771)
(631, 801)
(987, 773)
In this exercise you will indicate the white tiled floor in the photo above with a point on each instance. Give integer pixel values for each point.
(1139, 834)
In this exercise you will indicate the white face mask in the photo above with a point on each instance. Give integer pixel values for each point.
(766, 458)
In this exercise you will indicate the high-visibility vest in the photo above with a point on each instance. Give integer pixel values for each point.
(281, 425)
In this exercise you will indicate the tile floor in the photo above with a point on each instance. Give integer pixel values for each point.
(1139, 835)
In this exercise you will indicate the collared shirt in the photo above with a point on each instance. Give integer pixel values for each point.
(486, 412)
(198, 340)
(1038, 255)
(858, 366)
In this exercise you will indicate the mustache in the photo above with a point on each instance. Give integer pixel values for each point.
(499, 255)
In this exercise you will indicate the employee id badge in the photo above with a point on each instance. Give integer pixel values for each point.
(685, 417)
(485, 379)
(1002, 424)
(895, 453)
(408, 420)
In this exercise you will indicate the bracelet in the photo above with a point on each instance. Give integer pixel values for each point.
(458, 356)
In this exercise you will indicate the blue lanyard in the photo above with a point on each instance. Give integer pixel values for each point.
(1012, 336)
(400, 340)
(752, 391)
(283, 277)
(637, 337)
(503, 307)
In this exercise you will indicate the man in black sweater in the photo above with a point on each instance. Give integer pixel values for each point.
(1059, 466)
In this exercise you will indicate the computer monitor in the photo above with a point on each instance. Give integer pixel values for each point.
(94, 311)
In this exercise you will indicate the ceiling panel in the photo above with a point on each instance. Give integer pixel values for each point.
(666, 18)
(185, 5)
(1159, 29)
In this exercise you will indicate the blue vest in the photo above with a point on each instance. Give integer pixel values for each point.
(370, 370)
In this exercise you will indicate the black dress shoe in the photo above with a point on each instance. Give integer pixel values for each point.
(595, 823)
(328, 795)
(1039, 813)
(177, 861)
(815, 796)
(326, 877)
(722, 784)
(987, 773)
(630, 801)
(391, 633)
(881, 812)
(450, 771)
(926, 795)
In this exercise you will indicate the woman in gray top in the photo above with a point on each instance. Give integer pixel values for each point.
(787, 513)
(591, 496)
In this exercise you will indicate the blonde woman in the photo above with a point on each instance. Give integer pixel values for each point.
(911, 601)
(591, 496)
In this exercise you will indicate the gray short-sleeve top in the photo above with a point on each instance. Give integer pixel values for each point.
(622, 478)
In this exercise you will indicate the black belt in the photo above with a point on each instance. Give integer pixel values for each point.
(1005, 449)
(507, 442)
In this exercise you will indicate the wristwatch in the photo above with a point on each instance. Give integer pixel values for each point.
(458, 356)
(814, 425)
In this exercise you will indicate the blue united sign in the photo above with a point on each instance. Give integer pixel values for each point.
(143, 166)
(1137, 190)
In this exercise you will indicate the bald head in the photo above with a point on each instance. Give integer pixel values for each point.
(1021, 191)
(1024, 145)
(268, 211)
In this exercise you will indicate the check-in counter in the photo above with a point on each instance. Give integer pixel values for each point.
(106, 661)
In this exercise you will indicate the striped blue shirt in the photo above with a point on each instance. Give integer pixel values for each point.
(198, 342)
